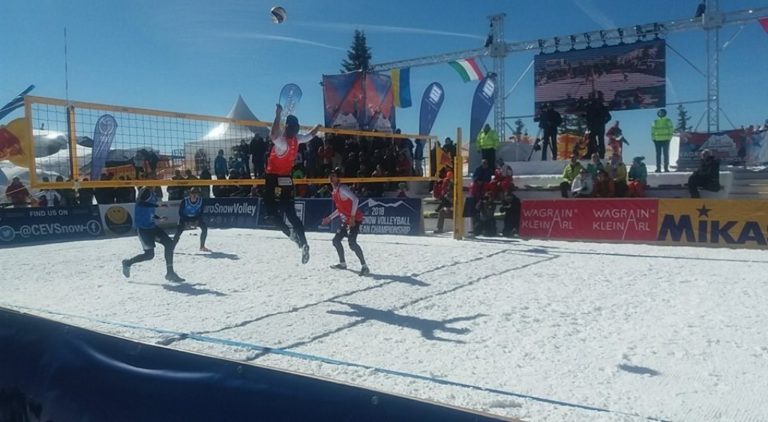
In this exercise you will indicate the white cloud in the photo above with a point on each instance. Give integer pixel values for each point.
(257, 36)
(594, 13)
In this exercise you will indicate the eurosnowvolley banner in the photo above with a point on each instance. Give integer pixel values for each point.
(103, 134)
(482, 102)
(431, 102)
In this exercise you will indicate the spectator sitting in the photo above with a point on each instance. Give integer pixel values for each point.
(503, 178)
(707, 176)
(402, 190)
(638, 178)
(481, 179)
(595, 165)
(604, 187)
(510, 206)
(618, 172)
(445, 209)
(570, 173)
(485, 221)
(582, 186)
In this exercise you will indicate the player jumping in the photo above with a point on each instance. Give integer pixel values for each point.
(279, 167)
(191, 213)
(149, 232)
(346, 206)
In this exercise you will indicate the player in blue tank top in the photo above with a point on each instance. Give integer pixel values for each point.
(148, 232)
(190, 215)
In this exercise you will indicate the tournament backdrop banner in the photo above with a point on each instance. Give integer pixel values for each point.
(31, 225)
(725, 146)
(60, 372)
(630, 76)
(590, 219)
(391, 216)
(482, 102)
(698, 222)
(431, 102)
(359, 100)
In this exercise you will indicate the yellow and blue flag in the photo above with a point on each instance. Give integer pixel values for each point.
(401, 87)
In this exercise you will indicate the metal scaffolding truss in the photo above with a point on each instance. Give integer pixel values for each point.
(711, 21)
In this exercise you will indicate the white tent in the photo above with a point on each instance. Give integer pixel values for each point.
(225, 135)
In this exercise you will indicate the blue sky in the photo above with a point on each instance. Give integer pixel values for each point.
(197, 56)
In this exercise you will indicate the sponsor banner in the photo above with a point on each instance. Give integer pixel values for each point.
(391, 216)
(118, 219)
(482, 103)
(590, 219)
(698, 222)
(103, 134)
(431, 102)
(32, 225)
(231, 212)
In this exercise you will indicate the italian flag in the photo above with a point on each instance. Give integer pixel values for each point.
(468, 69)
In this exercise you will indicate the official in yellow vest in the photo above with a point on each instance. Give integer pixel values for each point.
(661, 133)
(487, 142)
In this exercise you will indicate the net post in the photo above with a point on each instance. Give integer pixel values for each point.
(31, 142)
(72, 134)
(458, 190)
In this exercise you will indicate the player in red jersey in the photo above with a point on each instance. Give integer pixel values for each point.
(346, 206)
(279, 166)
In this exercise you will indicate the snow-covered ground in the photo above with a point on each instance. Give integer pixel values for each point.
(530, 329)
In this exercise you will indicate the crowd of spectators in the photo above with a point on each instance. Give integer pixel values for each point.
(604, 180)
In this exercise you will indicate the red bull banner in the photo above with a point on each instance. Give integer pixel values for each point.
(590, 219)
(731, 223)
(359, 100)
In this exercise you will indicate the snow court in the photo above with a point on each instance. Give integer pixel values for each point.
(536, 330)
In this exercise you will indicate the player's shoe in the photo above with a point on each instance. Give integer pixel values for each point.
(339, 266)
(126, 269)
(204, 249)
(172, 276)
(364, 270)
(305, 254)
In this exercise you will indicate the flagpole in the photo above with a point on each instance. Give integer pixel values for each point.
(73, 168)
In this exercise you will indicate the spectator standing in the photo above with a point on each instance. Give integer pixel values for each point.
(85, 196)
(487, 142)
(220, 166)
(481, 179)
(205, 190)
(549, 121)
(597, 117)
(245, 155)
(661, 133)
(258, 155)
(510, 207)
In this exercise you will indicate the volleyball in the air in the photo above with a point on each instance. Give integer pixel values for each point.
(278, 14)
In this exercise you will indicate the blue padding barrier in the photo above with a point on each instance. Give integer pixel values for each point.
(58, 372)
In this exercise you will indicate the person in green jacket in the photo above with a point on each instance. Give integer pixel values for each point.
(570, 172)
(487, 142)
(661, 132)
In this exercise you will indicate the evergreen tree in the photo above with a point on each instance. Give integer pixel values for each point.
(358, 55)
(682, 119)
